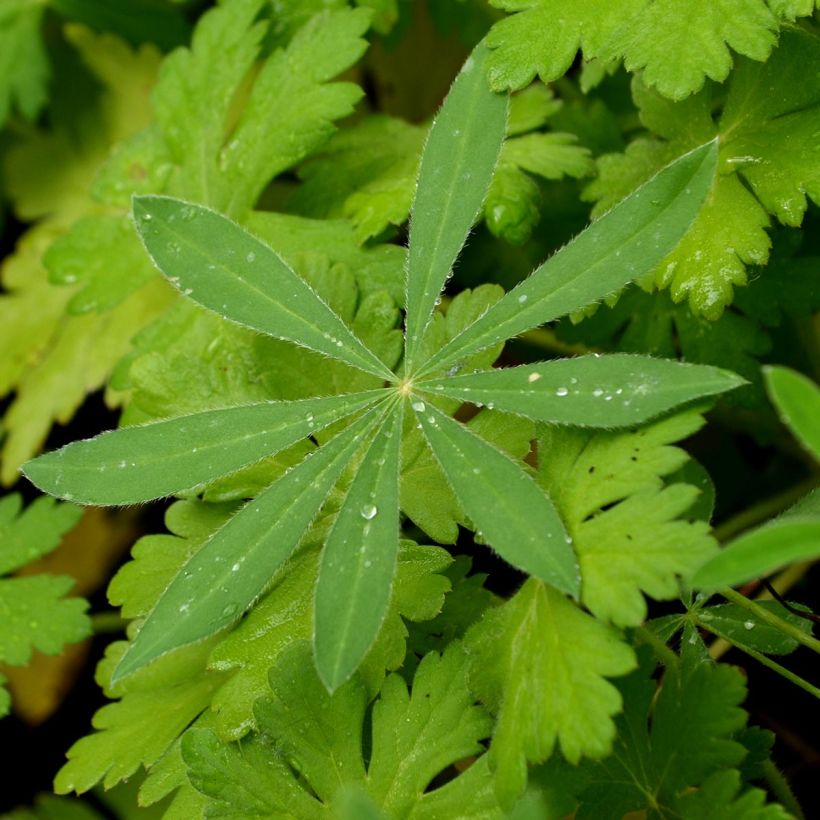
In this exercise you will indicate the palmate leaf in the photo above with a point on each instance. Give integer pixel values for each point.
(621, 246)
(359, 560)
(507, 507)
(222, 267)
(230, 572)
(456, 168)
(592, 391)
(142, 463)
(219, 265)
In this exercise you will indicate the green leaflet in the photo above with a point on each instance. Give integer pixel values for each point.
(223, 267)
(784, 541)
(456, 168)
(507, 507)
(219, 583)
(141, 463)
(797, 400)
(606, 391)
(359, 560)
(621, 246)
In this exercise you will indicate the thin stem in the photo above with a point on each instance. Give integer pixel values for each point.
(773, 665)
(104, 623)
(770, 618)
(664, 654)
(763, 510)
(782, 582)
(781, 789)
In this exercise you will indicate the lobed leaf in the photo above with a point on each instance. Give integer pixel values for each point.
(141, 463)
(507, 507)
(594, 391)
(224, 268)
(456, 168)
(622, 245)
(359, 560)
(231, 570)
(543, 663)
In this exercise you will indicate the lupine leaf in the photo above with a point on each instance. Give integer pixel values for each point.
(359, 559)
(606, 391)
(285, 615)
(625, 243)
(141, 463)
(229, 573)
(542, 663)
(456, 167)
(518, 520)
(797, 400)
(224, 268)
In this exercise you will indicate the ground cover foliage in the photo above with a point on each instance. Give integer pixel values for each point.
(437, 337)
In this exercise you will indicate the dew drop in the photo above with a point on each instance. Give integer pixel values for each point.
(750, 625)
(562, 391)
(419, 406)
(251, 257)
(229, 610)
(533, 377)
(597, 392)
(236, 567)
(369, 512)
(522, 298)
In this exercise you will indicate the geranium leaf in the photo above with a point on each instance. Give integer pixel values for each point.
(507, 507)
(359, 560)
(622, 245)
(456, 168)
(605, 391)
(226, 269)
(231, 570)
(140, 463)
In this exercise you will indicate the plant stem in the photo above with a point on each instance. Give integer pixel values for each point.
(768, 662)
(770, 618)
(781, 789)
(104, 623)
(664, 654)
(763, 510)
(782, 582)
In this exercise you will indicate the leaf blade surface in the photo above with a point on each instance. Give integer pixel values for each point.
(595, 391)
(456, 168)
(141, 463)
(230, 571)
(622, 245)
(226, 269)
(359, 560)
(515, 516)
